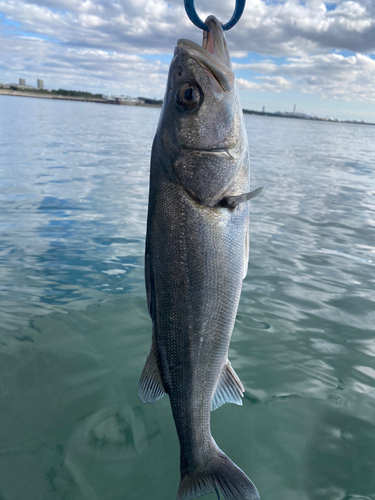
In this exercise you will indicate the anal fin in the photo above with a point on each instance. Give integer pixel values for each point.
(150, 387)
(247, 250)
(229, 388)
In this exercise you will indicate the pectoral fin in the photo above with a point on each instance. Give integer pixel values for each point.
(229, 389)
(150, 387)
(233, 201)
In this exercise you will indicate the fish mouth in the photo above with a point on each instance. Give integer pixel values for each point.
(213, 55)
(215, 42)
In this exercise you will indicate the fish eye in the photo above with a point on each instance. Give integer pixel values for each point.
(189, 97)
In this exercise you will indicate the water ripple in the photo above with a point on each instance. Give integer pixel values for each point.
(74, 326)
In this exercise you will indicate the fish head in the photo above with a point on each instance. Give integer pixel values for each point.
(201, 129)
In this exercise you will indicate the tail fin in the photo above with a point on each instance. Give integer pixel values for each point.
(223, 476)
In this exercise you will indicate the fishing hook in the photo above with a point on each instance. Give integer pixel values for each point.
(194, 18)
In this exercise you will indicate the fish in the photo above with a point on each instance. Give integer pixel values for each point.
(196, 257)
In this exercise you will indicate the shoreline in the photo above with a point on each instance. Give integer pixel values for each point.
(309, 119)
(19, 93)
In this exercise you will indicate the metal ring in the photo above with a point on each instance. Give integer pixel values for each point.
(195, 19)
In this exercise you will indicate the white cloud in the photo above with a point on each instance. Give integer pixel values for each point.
(291, 28)
(331, 76)
(98, 44)
(268, 84)
(83, 69)
(279, 29)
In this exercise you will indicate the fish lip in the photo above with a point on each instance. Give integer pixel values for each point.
(222, 74)
(216, 63)
(215, 40)
(195, 46)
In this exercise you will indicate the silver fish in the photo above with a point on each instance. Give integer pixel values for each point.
(197, 248)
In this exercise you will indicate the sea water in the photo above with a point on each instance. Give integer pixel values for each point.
(75, 331)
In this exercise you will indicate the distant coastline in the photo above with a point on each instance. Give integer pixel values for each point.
(20, 93)
(69, 95)
(297, 116)
(151, 103)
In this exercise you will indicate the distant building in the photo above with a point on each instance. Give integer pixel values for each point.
(108, 97)
(25, 87)
(132, 101)
(263, 109)
(40, 83)
(294, 115)
(18, 86)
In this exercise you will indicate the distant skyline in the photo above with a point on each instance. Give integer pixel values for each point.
(319, 56)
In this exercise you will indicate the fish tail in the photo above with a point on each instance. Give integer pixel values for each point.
(223, 476)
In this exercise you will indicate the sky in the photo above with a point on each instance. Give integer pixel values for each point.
(318, 56)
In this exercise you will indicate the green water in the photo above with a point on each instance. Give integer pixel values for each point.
(74, 326)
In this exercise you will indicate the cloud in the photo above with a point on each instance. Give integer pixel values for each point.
(85, 69)
(118, 45)
(292, 28)
(331, 76)
(151, 26)
(141, 27)
(268, 84)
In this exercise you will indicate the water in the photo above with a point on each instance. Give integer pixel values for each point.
(74, 327)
